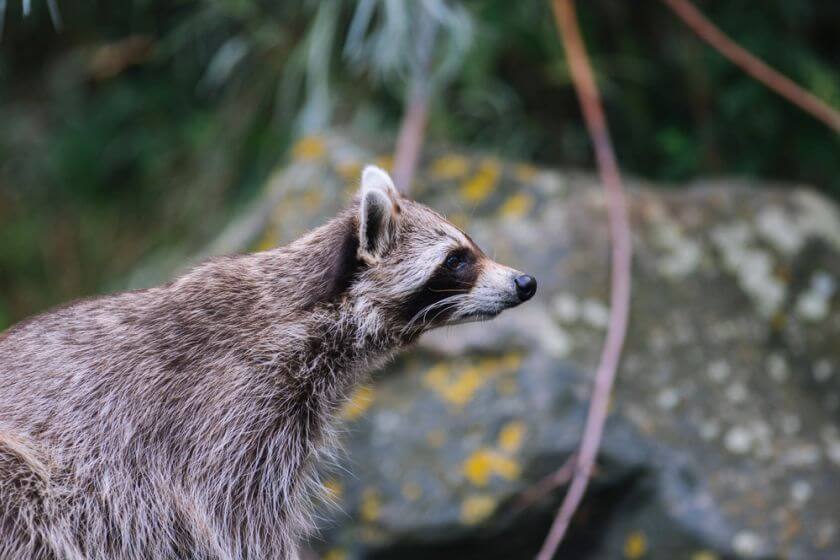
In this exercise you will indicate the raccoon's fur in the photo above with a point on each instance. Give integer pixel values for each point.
(184, 421)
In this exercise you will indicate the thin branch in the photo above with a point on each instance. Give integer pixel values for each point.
(547, 485)
(413, 127)
(596, 124)
(410, 139)
(753, 66)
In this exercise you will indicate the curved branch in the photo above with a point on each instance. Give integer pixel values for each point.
(596, 124)
(754, 66)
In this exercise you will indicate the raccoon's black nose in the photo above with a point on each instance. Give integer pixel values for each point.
(526, 286)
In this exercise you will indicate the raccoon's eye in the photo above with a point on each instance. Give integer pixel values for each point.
(454, 262)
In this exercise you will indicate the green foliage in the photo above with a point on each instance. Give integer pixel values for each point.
(100, 170)
(677, 109)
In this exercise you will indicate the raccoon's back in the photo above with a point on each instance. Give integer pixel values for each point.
(57, 359)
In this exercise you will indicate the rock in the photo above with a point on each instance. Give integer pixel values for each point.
(723, 438)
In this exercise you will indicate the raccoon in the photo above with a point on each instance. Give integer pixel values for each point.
(185, 421)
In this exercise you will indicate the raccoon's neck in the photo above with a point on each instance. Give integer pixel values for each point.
(333, 332)
(273, 411)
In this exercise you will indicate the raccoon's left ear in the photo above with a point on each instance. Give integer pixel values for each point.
(378, 214)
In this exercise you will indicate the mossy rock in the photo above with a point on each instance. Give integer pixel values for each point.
(722, 439)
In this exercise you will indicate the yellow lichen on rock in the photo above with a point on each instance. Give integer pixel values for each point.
(512, 435)
(635, 545)
(371, 505)
(457, 387)
(360, 401)
(335, 554)
(704, 555)
(475, 509)
(517, 205)
(481, 184)
(449, 167)
(486, 462)
(309, 148)
(496, 365)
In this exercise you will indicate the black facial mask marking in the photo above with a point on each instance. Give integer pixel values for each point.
(444, 282)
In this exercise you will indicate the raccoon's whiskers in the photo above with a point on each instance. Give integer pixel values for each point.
(444, 303)
(442, 309)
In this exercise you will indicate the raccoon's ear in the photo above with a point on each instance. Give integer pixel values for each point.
(378, 214)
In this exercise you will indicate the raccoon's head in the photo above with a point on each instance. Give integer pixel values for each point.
(421, 272)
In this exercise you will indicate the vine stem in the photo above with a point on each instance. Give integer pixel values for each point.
(413, 127)
(410, 139)
(621, 261)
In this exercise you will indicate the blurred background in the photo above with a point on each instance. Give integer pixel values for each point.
(145, 124)
(137, 136)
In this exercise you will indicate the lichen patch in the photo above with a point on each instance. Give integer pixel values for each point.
(481, 184)
(360, 401)
(484, 463)
(449, 167)
(512, 436)
(309, 148)
(477, 508)
(635, 545)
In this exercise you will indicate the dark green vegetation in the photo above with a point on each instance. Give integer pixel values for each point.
(142, 125)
